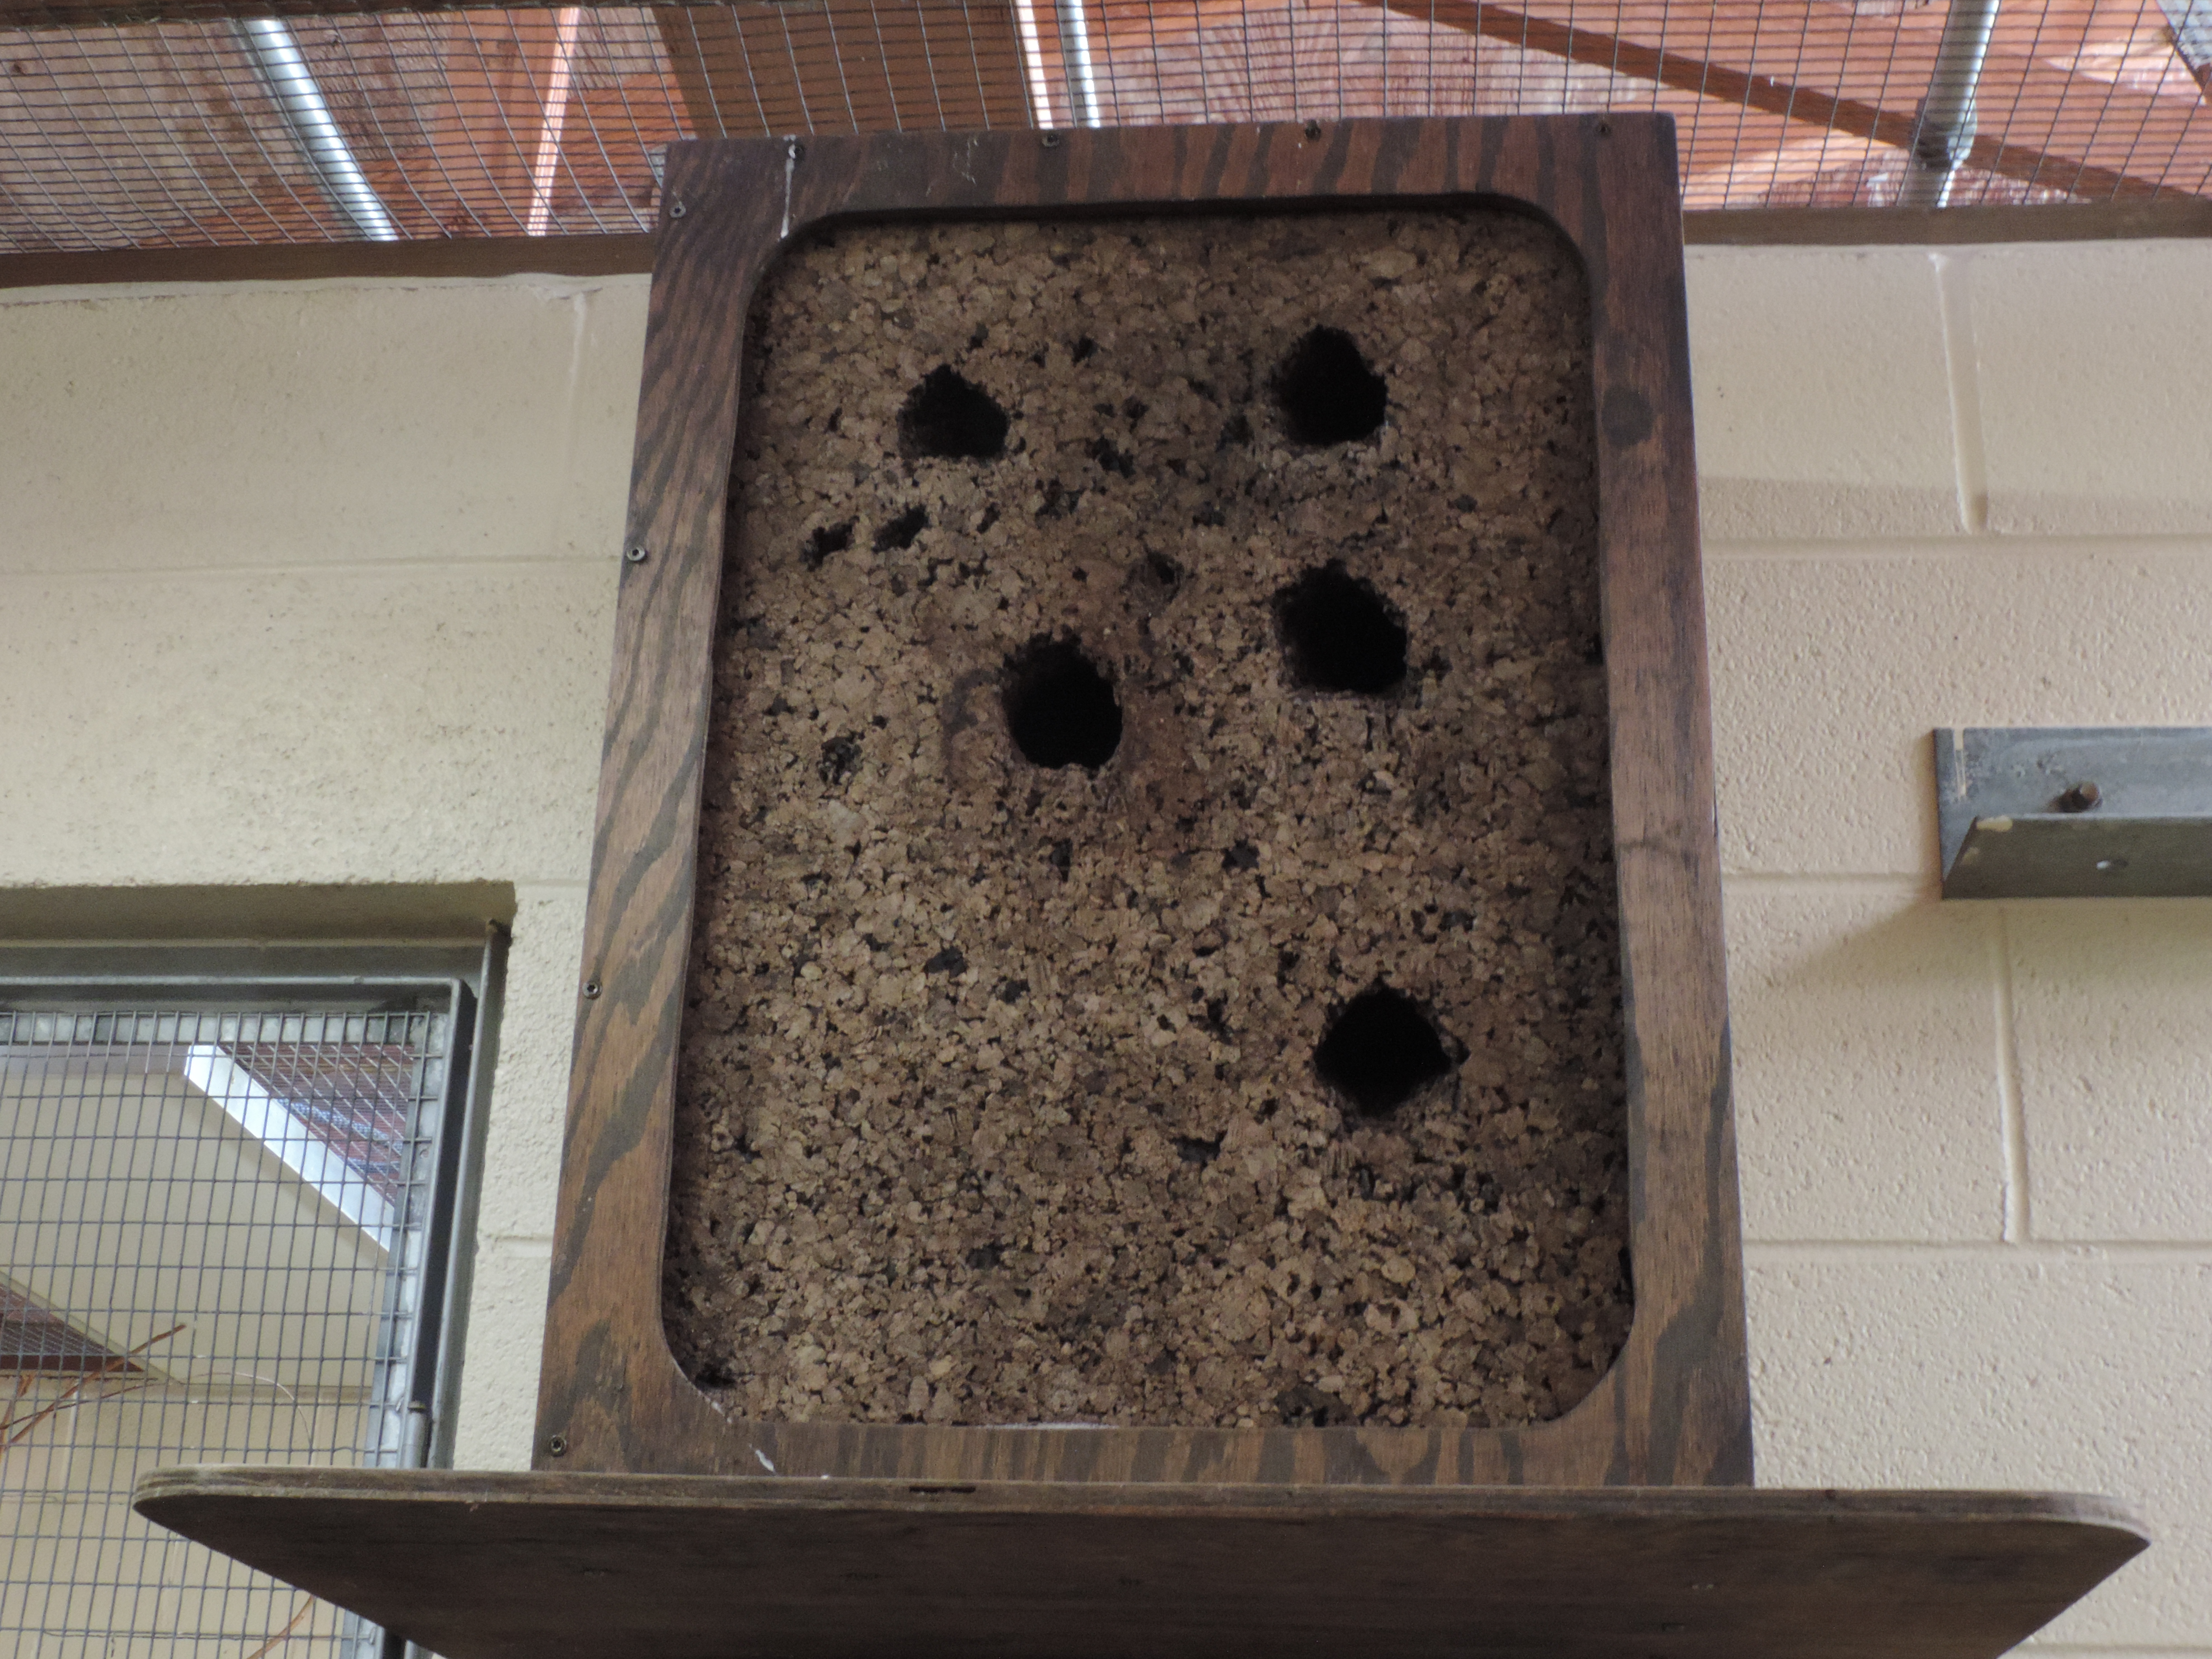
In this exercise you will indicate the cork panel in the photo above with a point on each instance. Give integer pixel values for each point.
(1156, 958)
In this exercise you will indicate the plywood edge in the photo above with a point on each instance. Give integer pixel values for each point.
(173, 1493)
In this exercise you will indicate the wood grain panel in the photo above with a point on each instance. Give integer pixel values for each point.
(1675, 1409)
(492, 1566)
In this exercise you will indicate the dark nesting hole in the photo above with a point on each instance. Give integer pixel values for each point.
(1338, 634)
(1060, 708)
(950, 414)
(1328, 393)
(899, 533)
(827, 539)
(1380, 1051)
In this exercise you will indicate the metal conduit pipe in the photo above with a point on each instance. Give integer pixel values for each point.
(276, 59)
(1945, 130)
(1075, 59)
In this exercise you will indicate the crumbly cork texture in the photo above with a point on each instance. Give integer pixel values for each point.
(1156, 958)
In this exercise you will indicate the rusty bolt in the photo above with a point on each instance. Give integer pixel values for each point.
(2080, 799)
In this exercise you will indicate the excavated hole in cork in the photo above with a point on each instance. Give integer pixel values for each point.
(1338, 634)
(1380, 1051)
(949, 415)
(1327, 392)
(1060, 709)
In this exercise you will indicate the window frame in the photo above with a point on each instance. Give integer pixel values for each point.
(464, 981)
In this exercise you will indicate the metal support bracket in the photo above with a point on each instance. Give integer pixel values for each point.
(2075, 811)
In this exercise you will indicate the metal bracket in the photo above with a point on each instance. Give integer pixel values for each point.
(2075, 811)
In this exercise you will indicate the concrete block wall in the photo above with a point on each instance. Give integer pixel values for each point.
(313, 582)
(307, 582)
(1964, 488)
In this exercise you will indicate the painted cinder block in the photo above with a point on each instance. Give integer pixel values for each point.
(1823, 408)
(2001, 1367)
(299, 424)
(1867, 1097)
(348, 726)
(530, 1088)
(2092, 359)
(1829, 673)
(2112, 1007)
(499, 1380)
(603, 420)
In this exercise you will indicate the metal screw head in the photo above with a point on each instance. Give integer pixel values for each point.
(2111, 866)
(591, 988)
(1049, 139)
(2081, 797)
(556, 1445)
(677, 209)
(634, 555)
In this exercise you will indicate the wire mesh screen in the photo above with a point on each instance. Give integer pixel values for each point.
(204, 130)
(215, 1245)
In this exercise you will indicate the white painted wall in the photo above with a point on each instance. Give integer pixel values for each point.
(314, 582)
(1964, 488)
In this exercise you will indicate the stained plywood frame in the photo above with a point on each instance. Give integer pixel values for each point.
(1674, 1408)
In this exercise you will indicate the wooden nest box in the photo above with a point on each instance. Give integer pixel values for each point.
(1152, 1067)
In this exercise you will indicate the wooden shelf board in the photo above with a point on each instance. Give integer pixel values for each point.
(559, 1566)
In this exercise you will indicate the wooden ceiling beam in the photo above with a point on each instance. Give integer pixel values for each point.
(89, 14)
(1707, 77)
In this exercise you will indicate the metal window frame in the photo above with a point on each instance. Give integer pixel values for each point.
(468, 982)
